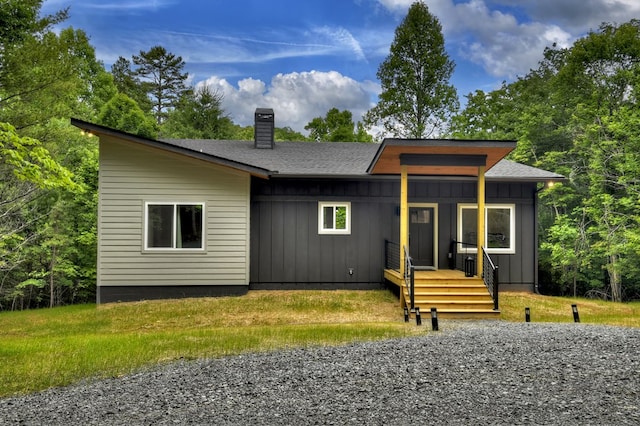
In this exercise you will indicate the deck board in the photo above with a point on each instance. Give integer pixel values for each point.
(395, 277)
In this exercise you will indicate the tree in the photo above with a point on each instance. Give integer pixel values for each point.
(336, 126)
(20, 19)
(124, 114)
(198, 115)
(162, 76)
(287, 134)
(576, 114)
(129, 84)
(417, 100)
(47, 210)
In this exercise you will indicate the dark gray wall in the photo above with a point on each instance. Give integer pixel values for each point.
(288, 252)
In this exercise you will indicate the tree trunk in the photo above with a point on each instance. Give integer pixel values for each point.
(614, 279)
(51, 278)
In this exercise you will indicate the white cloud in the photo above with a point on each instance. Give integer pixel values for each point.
(296, 98)
(131, 5)
(580, 15)
(510, 43)
(344, 40)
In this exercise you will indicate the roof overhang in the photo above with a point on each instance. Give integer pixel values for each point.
(438, 157)
(98, 130)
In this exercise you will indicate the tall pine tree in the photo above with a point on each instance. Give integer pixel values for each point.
(162, 76)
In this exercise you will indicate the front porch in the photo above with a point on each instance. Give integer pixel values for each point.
(449, 291)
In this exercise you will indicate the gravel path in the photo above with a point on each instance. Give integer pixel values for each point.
(467, 373)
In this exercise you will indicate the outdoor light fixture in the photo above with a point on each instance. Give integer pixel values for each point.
(576, 317)
(527, 315)
(406, 314)
(418, 318)
(434, 319)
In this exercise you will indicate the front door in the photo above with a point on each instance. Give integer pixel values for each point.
(422, 235)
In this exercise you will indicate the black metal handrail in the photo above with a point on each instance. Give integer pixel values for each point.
(490, 277)
(391, 255)
(409, 277)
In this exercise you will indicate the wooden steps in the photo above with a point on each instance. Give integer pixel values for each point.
(451, 293)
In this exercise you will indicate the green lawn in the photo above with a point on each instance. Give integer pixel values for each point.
(558, 309)
(57, 347)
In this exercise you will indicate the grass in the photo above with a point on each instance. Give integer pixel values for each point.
(558, 309)
(60, 346)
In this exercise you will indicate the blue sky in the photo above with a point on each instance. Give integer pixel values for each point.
(303, 57)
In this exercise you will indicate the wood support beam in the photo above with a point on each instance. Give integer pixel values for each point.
(404, 216)
(481, 218)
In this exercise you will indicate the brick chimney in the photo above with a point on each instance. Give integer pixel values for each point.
(263, 129)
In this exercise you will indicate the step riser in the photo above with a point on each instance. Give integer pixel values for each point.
(449, 283)
(426, 307)
(448, 297)
(460, 315)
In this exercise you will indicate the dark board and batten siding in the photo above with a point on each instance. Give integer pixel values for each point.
(288, 252)
(131, 175)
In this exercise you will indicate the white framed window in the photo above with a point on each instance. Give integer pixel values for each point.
(334, 218)
(174, 226)
(500, 227)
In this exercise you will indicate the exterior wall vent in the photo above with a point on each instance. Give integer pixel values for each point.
(263, 133)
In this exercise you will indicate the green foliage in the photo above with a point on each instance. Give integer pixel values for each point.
(162, 77)
(128, 83)
(417, 100)
(285, 134)
(30, 161)
(577, 114)
(198, 115)
(281, 134)
(20, 19)
(124, 114)
(337, 126)
(48, 170)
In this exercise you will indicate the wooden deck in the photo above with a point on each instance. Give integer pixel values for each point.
(449, 291)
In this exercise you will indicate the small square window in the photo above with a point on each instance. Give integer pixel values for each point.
(174, 226)
(334, 218)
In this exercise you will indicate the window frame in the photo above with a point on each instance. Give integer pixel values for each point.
(173, 249)
(333, 231)
(512, 228)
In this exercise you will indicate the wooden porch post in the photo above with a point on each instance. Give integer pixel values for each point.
(404, 189)
(481, 218)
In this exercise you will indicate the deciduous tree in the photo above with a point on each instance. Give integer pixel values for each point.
(417, 99)
(337, 126)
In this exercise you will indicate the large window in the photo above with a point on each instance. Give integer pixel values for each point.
(174, 226)
(334, 218)
(500, 224)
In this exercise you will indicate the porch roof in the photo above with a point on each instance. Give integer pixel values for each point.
(438, 157)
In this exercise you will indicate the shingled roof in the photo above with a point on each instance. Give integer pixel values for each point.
(299, 159)
(328, 159)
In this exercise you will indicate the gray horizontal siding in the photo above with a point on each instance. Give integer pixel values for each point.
(131, 175)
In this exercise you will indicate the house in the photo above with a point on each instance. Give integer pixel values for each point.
(191, 218)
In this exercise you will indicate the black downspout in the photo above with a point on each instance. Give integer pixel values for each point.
(536, 285)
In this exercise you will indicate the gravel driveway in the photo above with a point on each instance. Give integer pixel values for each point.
(471, 373)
